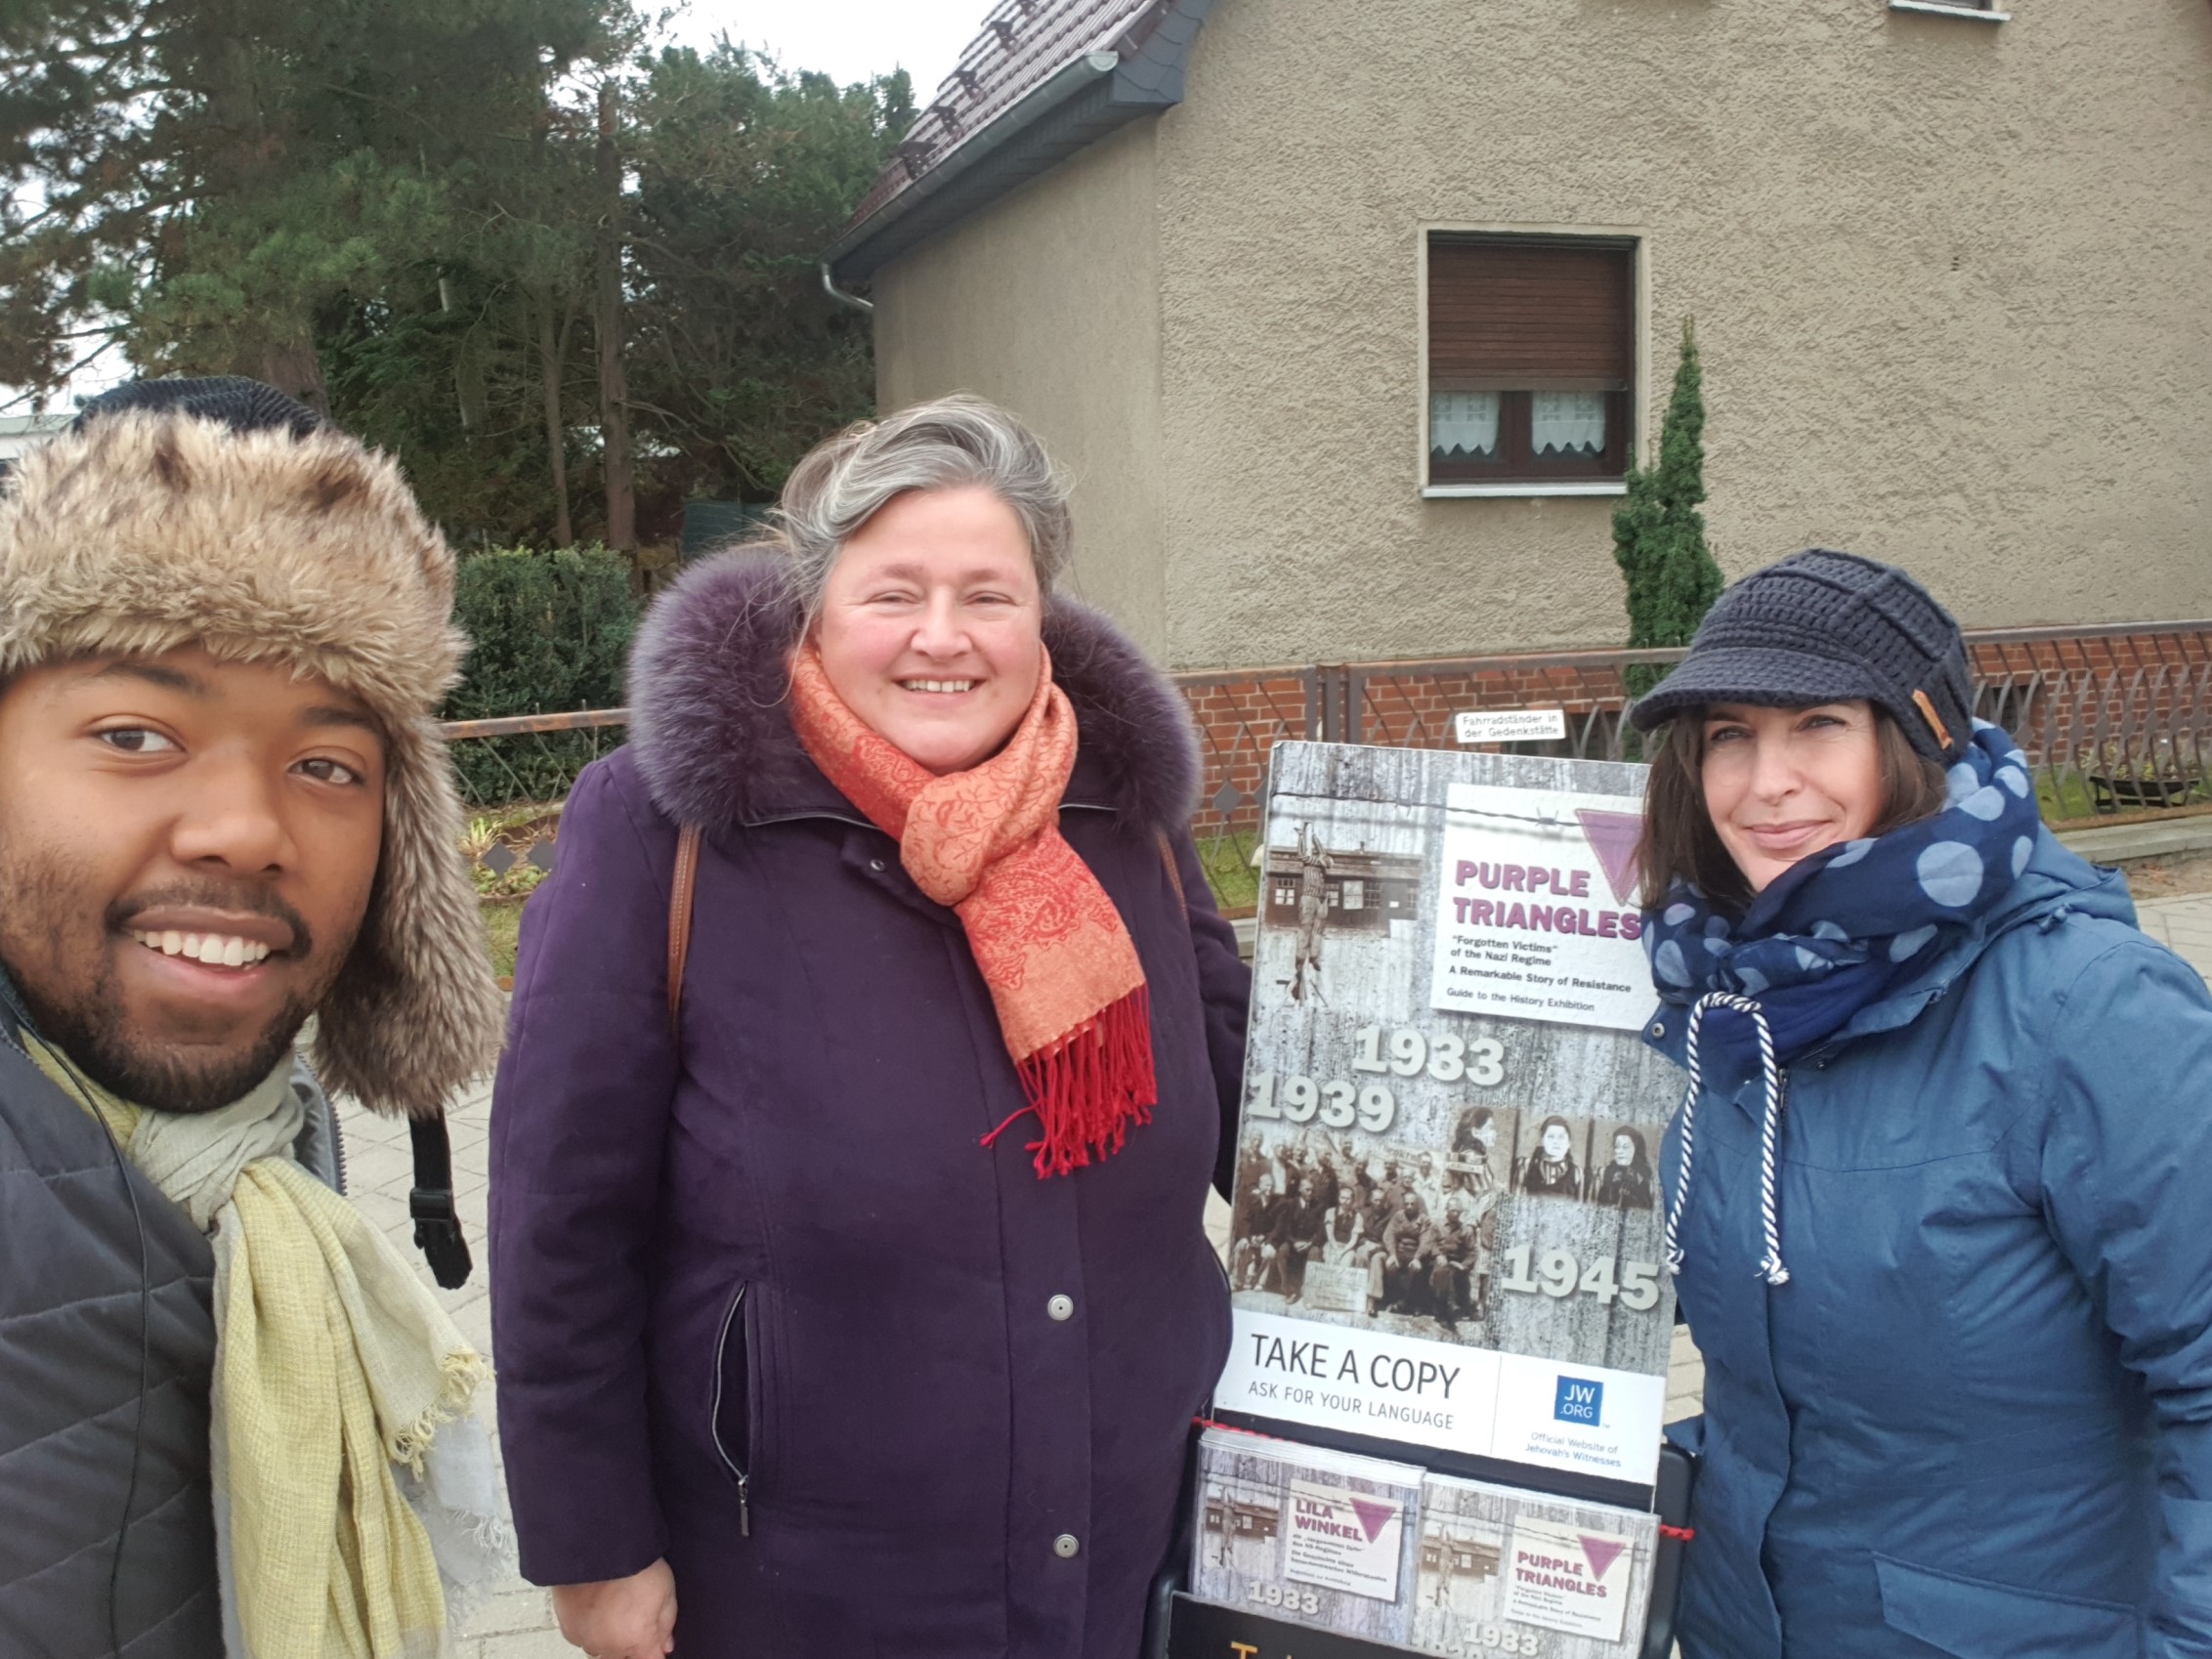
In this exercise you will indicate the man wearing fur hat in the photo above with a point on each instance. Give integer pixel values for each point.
(233, 1419)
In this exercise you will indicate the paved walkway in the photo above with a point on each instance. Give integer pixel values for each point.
(518, 1623)
(2184, 923)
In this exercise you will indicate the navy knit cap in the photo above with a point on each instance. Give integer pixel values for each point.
(1828, 627)
(241, 405)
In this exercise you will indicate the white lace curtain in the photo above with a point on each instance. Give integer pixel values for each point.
(1465, 422)
(1567, 423)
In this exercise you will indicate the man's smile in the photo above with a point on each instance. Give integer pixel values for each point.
(210, 948)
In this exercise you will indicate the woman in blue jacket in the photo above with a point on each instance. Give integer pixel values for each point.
(1936, 1196)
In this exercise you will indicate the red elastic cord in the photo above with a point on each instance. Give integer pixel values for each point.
(1684, 1533)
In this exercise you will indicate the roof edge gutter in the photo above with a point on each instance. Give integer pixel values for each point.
(973, 151)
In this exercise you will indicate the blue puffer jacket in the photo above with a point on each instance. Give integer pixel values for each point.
(1977, 1418)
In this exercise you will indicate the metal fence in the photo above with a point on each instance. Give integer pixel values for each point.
(2108, 739)
(2133, 732)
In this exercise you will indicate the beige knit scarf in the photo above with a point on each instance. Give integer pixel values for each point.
(353, 1489)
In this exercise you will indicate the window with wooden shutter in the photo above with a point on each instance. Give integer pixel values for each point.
(1531, 359)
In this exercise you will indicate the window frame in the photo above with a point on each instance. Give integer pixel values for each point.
(1635, 240)
(1980, 11)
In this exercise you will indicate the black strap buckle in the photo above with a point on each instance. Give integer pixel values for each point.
(438, 1227)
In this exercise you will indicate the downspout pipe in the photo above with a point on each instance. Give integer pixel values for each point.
(852, 302)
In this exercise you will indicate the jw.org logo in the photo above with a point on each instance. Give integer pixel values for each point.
(1580, 1401)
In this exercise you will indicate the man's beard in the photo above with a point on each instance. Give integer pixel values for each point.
(76, 1005)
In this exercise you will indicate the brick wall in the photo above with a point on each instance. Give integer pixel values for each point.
(1239, 720)
(2130, 704)
(2063, 689)
(1999, 656)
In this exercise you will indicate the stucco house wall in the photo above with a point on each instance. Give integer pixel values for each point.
(1048, 302)
(1947, 276)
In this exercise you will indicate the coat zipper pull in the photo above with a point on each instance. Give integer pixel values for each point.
(744, 1506)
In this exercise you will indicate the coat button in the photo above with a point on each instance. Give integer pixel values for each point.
(876, 865)
(1065, 1546)
(1061, 1308)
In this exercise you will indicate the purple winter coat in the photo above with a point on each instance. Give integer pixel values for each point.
(761, 1303)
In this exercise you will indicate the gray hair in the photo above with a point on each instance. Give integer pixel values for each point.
(846, 480)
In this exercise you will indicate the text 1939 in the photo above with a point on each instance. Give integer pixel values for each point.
(1338, 1104)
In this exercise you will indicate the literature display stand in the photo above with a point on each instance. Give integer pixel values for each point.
(1439, 1427)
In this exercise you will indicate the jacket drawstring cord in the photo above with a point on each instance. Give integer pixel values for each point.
(1769, 1133)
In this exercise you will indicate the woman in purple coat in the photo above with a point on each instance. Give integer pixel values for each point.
(861, 1310)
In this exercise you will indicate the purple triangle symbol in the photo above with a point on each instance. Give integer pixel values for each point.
(1602, 1553)
(1374, 1516)
(1613, 836)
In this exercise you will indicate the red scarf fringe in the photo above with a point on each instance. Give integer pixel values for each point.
(1088, 1088)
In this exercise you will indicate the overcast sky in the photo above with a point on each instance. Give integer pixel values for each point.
(848, 40)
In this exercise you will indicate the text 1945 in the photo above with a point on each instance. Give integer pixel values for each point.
(1558, 1274)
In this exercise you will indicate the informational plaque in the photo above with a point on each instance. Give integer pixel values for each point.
(1447, 1227)
(1510, 725)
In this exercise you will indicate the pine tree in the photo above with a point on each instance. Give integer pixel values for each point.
(209, 183)
(1659, 535)
(745, 172)
(387, 207)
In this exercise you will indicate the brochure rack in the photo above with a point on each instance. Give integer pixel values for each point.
(1178, 1625)
(1445, 1255)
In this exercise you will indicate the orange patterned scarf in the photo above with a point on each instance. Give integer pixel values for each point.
(986, 843)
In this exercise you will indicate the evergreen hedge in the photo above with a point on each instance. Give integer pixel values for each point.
(552, 632)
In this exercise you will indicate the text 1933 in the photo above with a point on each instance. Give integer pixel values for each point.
(1446, 1058)
(1287, 1597)
(1485, 1639)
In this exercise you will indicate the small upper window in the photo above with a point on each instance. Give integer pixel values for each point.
(1531, 359)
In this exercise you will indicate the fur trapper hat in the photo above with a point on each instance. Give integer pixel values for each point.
(157, 524)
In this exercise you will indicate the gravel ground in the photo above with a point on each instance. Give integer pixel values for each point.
(2171, 876)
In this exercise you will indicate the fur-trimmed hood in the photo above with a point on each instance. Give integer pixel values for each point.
(713, 738)
(143, 531)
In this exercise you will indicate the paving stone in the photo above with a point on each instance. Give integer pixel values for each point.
(518, 1622)
(1217, 1218)
(543, 1644)
(529, 1608)
(1685, 1378)
(372, 1166)
(2184, 925)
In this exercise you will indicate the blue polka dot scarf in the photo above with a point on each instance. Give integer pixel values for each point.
(1836, 931)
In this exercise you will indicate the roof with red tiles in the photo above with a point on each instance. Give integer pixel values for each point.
(1056, 73)
(1020, 45)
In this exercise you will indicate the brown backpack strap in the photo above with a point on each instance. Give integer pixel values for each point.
(679, 917)
(1174, 876)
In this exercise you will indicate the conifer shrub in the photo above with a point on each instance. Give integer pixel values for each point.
(1658, 533)
(551, 633)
